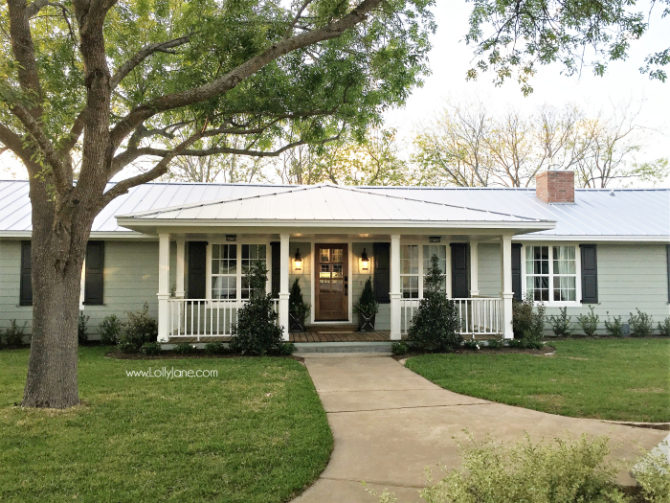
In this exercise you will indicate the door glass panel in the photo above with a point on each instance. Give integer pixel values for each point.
(324, 255)
(337, 254)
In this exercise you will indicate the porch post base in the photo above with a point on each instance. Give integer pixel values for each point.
(395, 317)
(283, 315)
(163, 318)
(508, 331)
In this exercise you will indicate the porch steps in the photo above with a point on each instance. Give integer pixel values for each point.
(313, 348)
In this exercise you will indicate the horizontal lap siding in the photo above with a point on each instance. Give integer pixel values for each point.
(131, 279)
(305, 278)
(489, 270)
(10, 277)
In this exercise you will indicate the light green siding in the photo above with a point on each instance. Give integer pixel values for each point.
(489, 270)
(629, 276)
(10, 273)
(130, 280)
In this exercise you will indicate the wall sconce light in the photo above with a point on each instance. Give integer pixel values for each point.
(365, 261)
(297, 261)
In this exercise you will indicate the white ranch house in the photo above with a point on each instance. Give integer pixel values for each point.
(185, 248)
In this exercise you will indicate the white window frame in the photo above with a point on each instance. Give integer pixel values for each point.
(578, 276)
(421, 273)
(238, 266)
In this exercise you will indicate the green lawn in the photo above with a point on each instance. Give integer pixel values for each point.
(255, 433)
(624, 379)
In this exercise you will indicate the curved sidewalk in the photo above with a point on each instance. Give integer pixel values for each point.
(390, 424)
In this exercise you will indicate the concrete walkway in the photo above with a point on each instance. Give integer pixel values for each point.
(390, 424)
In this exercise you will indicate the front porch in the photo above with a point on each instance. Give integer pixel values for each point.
(330, 241)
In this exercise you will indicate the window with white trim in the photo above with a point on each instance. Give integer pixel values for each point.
(250, 255)
(409, 271)
(440, 251)
(224, 271)
(551, 273)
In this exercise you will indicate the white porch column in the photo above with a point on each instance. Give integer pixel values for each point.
(394, 294)
(506, 280)
(474, 268)
(284, 264)
(181, 248)
(163, 286)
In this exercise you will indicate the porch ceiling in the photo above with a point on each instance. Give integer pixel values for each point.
(329, 207)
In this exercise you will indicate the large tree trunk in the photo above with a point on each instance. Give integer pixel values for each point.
(57, 254)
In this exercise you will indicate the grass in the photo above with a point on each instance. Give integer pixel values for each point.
(620, 379)
(255, 433)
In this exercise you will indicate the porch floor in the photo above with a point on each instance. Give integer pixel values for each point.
(310, 336)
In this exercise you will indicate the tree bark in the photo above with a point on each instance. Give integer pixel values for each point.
(57, 253)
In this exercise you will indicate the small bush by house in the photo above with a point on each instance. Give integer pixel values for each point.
(110, 330)
(560, 323)
(641, 324)
(434, 325)
(527, 324)
(13, 336)
(139, 329)
(614, 327)
(257, 332)
(589, 322)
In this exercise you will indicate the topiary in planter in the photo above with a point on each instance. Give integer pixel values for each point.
(435, 323)
(367, 308)
(297, 308)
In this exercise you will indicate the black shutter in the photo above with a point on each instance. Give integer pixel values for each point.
(94, 274)
(26, 286)
(516, 270)
(589, 274)
(667, 256)
(382, 274)
(275, 253)
(459, 270)
(197, 269)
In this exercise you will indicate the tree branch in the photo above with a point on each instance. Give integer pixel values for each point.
(159, 169)
(142, 54)
(231, 79)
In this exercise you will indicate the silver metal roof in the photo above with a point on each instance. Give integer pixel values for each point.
(623, 214)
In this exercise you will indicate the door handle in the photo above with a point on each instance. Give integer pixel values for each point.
(346, 286)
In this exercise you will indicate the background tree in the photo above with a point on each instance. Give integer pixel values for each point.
(112, 83)
(371, 160)
(473, 148)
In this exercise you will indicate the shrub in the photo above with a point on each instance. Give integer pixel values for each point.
(494, 343)
(551, 472)
(664, 329)
(286, 348)
(216, 348)
(139, 329)
(641, 324)
(184, 348)
(560, 324)
(527, 323)
(653, 475)
(521, 316)
(434, 325)
(399, 348)
(110, 330)
(615, 327)
(257, 332)
(14, 334)
(367, 307)
(150, 348)
(82, 328)
(127, 347)
(589, 322)
(297, 308)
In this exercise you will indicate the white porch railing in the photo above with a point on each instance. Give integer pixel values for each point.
(477, 315)
(204, 318)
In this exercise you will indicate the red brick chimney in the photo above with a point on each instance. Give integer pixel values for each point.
(555, 186)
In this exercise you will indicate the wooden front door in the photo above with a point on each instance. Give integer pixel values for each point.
(331, 282)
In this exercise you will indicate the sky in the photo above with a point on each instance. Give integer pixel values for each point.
(622, 86)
